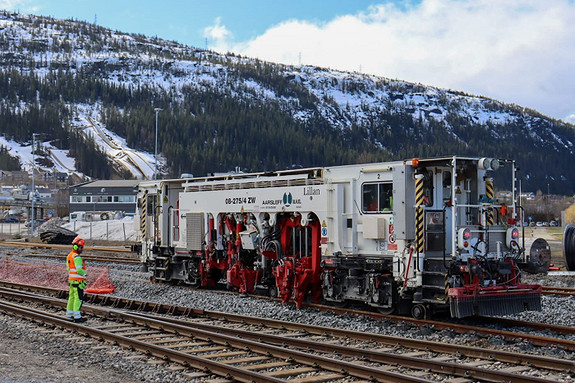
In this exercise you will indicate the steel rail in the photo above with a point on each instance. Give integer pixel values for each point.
(92, 258)
(504, 356)
(534, 325)
(465, 328)
(217, 368)
(340, 366)
(65, 247)
(448, 348)
(214, 367)
(459, 350)
(443, 367)
(562, 291)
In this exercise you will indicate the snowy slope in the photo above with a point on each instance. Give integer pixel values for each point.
(139, 164)
(62, 162)
(342, 100)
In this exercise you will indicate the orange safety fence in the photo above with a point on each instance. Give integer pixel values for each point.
(54, 276)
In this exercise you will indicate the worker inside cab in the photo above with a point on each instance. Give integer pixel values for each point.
(377, 197)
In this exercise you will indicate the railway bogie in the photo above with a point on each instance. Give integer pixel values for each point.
(414, 236)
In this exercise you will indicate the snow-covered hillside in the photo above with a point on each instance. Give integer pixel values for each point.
(140, 164)
(387, 114)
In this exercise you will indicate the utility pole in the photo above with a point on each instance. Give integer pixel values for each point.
(157, 110)
(33, 216)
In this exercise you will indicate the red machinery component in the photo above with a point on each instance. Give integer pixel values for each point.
(240, 274)
(242, 278)
(284, 273)
(494, 300)
(299, 273)
(211, 267)
(503, 295)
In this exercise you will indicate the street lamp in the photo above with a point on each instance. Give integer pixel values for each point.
(33, 183)
(157, 110)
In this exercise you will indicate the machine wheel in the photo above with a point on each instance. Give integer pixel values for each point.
(539, 257)
(386, 310)
(273, 291)
(569, 247)
(104, 216)
(419, 311)
(341, 305)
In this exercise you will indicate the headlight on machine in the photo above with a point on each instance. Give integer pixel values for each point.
(463, 237)
(512, 238)
(489, 164)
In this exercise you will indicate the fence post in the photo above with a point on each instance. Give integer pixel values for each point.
(124, 228)
(107, 232)
(90, 229)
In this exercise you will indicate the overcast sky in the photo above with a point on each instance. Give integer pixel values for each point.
(516, 51)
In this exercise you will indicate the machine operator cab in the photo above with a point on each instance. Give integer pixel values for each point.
(461, 215)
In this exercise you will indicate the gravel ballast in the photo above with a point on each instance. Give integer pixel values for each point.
(132, 284)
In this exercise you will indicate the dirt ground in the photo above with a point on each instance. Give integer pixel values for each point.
(25, 359)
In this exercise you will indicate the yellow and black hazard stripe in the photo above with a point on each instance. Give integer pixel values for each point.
(489, 194)
(419, 212)
(143, 215)
(446, 297)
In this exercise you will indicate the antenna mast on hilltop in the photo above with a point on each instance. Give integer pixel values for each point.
(95, 18)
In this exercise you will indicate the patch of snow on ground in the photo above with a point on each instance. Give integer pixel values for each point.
(112, 230)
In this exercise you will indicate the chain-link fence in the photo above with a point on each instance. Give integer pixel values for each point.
(111, 230)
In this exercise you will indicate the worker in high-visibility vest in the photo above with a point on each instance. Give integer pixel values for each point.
(77, 280)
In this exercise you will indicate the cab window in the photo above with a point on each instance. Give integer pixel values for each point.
(377, 197)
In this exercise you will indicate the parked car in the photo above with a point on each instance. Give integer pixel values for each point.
(553, 223)
(539, 224)
(37, 223)
(11, 219)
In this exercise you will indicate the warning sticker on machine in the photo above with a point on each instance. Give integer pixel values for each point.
(391, 237)
(324, 232)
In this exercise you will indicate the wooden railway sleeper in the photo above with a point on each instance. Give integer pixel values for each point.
(194, 361)
(382, 357)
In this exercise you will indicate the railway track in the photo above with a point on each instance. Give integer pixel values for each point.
(496, 323)
(114, 249)
(260, 350)
(479, 328)
(549, 290)
(563, 291)
(498, 326)
(86, 255)
(91, 258)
